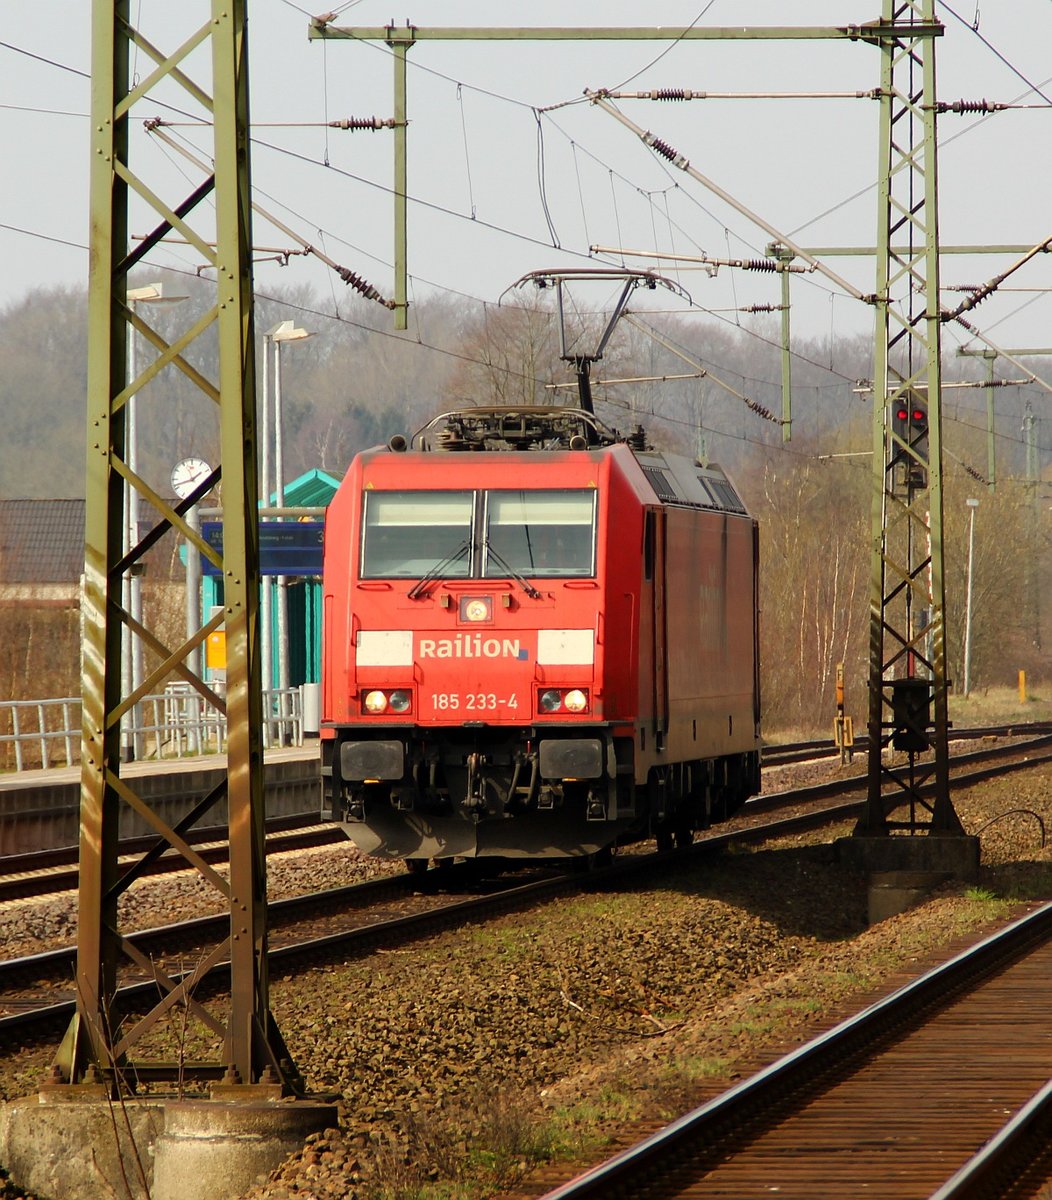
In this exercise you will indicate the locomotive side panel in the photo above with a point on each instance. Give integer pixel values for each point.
(711, 627)
(621, 593)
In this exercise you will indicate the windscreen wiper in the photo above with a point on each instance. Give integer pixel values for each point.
(519, 578)
(420, 587)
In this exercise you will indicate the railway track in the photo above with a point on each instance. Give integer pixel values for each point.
(42, 872)
(36, 992)
(803, 808)
(906, 1099)
(47, 871)
(788, 753)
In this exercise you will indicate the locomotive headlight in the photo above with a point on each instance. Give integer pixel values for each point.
(476, 608)
(550, 701)
(374, 702)
(575, 700)
(399, 701)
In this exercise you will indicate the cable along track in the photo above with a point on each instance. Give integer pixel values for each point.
(889, 1104)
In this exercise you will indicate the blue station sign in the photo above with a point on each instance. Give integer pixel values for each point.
(285, 547)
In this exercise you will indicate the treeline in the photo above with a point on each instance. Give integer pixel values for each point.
(701, 386)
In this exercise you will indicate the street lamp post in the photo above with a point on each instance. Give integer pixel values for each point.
(972, 506)
(284, 331)
(264, 490)
(131, 584)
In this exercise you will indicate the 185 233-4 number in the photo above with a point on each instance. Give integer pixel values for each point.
(472, 701)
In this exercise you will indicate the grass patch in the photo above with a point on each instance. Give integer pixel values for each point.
(841, 983)
(500, 939)
(751, 1028)
(694, 1068)
(1001, 705)
(610, 1103)
(984, 905)
(471, 1152)
(802, 1004)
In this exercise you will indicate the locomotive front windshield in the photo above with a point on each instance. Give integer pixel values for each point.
(460, 535)
(406, 534)
(540, 533)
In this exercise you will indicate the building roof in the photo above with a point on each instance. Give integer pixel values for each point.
(313, 489)
(41, 541)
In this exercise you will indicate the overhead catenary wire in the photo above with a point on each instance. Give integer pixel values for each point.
(761, 410)
(497, 95)
(960, 106)
(974, 28)
(680, 161)
(534, 109)
(48, 61)
(467, 152)
(746, 264)
(299, 10)
(511, 100)
(509, 231)
(325, 162)
(991, 286)
(701, 310)
(307, 310)
(673, 94)
(542, 184)
(351, 278)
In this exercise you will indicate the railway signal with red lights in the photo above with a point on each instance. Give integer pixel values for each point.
(909, 422)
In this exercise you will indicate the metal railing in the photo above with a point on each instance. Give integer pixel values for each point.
(177, 723)
(32, 732)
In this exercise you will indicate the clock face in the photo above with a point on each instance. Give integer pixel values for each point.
(189, 474)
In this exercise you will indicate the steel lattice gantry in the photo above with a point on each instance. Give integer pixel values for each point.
(907, 669)
(103, 1040)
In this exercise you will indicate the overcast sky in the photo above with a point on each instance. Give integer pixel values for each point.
(499, 187)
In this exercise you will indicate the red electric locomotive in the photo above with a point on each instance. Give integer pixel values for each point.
(540, 641)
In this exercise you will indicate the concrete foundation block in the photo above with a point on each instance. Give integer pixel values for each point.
(77, 1145)
(954, 856)
(218, 1148)
(72, 1143)
(893, 892)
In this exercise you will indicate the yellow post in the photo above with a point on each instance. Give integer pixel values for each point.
(1022, 687)
(843, 734)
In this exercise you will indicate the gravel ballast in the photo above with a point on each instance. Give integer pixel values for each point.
(462, 1062)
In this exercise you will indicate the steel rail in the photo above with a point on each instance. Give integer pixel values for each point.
(990, 1172)
(41, 872)
(60, 856)
(356, 940)
(24, 874)
(836, 787)
(51, 962)
(786, 753)
(151, 941)
(709, 1128)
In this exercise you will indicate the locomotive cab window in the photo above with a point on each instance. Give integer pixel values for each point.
(408, 534)
(549, 533)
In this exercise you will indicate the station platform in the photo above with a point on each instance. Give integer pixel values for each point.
(39, 809)
(19, 780)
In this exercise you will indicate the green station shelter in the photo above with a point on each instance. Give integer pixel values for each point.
(290, 547)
